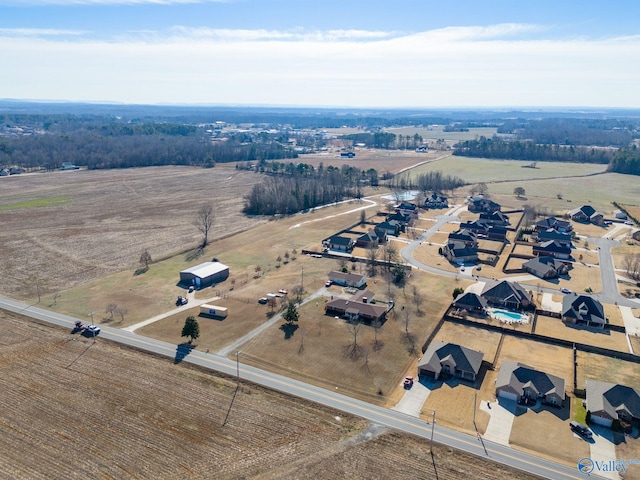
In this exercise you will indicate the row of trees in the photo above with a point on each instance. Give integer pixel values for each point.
(434, 181)
(626, 160)
(386, 140)
(295, 191)
(518, 150)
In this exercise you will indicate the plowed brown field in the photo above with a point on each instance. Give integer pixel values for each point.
(70, 408)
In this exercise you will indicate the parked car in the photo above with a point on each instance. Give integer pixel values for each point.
(282, 291)
(408, 381)
(580, 429)
(181, 301)
(191, 288)
(628, 222)
(263, 300)
(328, 283)
(565, 290)
(92, 330)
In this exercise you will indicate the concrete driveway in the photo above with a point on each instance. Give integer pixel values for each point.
(501, 421)
(603, 448)
(549, 305)
(413, 399)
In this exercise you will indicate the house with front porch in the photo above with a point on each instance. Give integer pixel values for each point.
(609, 401)
(523, 384)
(436, 201)
(448, 359)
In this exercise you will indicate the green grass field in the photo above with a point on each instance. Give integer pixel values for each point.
(39, 202)
(437, 133)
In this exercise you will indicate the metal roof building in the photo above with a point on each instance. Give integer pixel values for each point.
(204, 275)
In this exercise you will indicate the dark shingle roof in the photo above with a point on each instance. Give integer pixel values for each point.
(519, 376)
(610, 397)
(464, 358)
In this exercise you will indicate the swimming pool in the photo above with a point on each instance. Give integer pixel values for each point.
(507, 316)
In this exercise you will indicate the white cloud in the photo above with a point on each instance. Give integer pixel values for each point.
(38, 32)
(485, 66)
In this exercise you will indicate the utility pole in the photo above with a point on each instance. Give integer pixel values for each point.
(433, 424)
(238, 367)
(92, 330)
(302, 281)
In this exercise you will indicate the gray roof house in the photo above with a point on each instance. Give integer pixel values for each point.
(553, 222)
(470, 302)
(586, 214)
(371, 239)
(519, 382)
(460, 252)
(340, 243)
(465, 236)
(450, 359)
(348, 279)
(583, 310)
(436, 201)
(479, 204)
(545, 267)
(552, 248)
(495, 218)
(609, 401)
(508, 294)
(563, 238)
(359, 307)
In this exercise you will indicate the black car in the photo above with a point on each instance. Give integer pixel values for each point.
(580, 429)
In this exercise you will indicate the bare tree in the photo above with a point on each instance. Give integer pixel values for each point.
(372, 256)
(377, 344)
(111, 309)
(354, 348)
(145, 259)
(121, 312)
(390, 253)
(204, 222)
(342, 264)
(417, 298)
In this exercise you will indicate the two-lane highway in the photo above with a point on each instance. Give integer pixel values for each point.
(373, 413)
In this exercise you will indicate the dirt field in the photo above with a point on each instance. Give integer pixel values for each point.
(72, 409)
(89, 224)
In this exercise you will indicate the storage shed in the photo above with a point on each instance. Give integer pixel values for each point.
(204, 275)
(213, 311)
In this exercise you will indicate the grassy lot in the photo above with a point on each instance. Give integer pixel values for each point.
(318, 351)
(587, 257)
(478, 339)
(599, 367)
(546, 432)
(449, 227)
(541, 356)
(440, 238)
(492, 171)
(629, 448)
(556, 328)
(612, 312)
(635, 343)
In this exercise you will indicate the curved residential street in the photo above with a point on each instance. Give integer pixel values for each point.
(375, 414)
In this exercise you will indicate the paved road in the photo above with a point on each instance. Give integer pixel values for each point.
(375, 414)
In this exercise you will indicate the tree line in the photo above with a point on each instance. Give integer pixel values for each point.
(434, 181)
(626, 160)
(296, 190)
(518, 150)
(385, 140)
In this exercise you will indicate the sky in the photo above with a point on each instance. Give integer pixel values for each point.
(329, 53)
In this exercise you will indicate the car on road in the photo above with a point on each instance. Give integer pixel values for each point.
(92, 330)
(565, 290)
(580, 429)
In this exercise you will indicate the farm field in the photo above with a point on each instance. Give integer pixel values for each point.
(79, 409)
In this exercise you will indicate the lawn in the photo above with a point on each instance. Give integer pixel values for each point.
(607, 369)
(479, 339)
(546, 432)
(541, 356)
(605, 338)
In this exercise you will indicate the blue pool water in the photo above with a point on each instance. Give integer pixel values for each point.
(508, 316)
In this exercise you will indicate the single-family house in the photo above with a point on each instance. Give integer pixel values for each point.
(609, 401)
(436, 201)
(507, 294)
(619, 214)
(339, 243)
(348, 279)
(563, 238)
(545, 267)
(495, 218)
(371, 239)
(359, 307)
(409, 209)
(459, 252)
(388, 227)
(583, 310)
(478, 227)
(442, 358)
(552, 248)
(553, 222)
(497, 232)
(480, 204)
(520, 382)
(465, 236)
(471, 302)
(403, 219)
(586, 214)
(4, 172)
